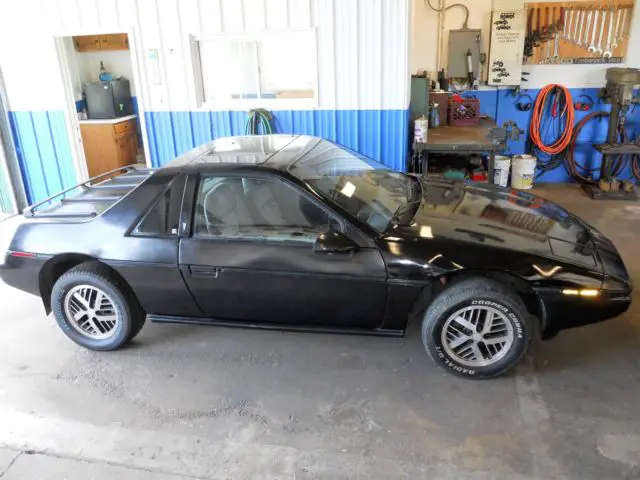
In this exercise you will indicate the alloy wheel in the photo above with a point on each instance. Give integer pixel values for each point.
(91, 312)
(477, 336)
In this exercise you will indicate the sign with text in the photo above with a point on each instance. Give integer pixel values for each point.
(507, 43)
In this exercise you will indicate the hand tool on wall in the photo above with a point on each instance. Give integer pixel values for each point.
(599, 45)
(616, 33)
(607, 50)
(535, 36)
(556, 33)
(567, 23)
(627, 26)
(585, 40)
(581, 27)
(592, 45)
(574, 35)
(624, 25)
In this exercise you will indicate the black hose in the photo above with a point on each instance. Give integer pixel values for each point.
(571, 164)
(635, 162)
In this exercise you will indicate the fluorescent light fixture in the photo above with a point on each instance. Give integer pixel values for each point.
(570, 292)
(426, 232)
(348, 190)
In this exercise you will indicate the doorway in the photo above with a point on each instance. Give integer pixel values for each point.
(7, 204)
(12, 196)
(105, 115)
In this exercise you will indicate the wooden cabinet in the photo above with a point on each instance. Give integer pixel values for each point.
(109, 145)
(115, 41)
(94, 43)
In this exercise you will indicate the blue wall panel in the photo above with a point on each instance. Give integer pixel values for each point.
(43, 152)
(45, 157)
(501, 104)
(381, 134)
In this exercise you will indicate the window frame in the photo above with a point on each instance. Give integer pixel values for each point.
(245, 104)
(197, 182)
(179, 183)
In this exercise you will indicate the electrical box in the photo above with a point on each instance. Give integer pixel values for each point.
(419, 104)
(461, 42)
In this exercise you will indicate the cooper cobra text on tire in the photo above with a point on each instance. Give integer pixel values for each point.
(476, 328)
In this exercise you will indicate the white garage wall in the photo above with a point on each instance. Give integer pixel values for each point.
(363, 74)
(424, 38)
(362, 44)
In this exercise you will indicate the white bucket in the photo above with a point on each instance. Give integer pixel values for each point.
(420, 129)
(524, 170)
(501, 166)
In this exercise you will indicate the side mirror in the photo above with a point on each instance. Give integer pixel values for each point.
(334, 242)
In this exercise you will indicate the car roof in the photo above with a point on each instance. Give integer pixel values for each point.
(275, 151)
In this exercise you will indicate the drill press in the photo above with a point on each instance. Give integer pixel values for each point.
(619, 93)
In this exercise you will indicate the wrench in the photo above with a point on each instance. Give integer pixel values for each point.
(574, 37)
(585, 41)
(604, 20)
(567, 24)
(607, 50)
(547, 52)
(555, 48)
(592, 45)
(627, 28)
(582, 15)
(614, 45)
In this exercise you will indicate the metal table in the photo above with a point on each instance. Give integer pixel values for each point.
(463, 140)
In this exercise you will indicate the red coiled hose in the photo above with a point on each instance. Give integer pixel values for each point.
(562, 105)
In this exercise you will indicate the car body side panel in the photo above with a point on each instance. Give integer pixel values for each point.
(148, 264)
(273, 282)
(159, 287)
(426, 259)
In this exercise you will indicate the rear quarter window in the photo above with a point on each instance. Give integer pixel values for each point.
(163, 217)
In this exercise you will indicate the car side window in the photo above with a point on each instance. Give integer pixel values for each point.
(258, 209)
(163, 216)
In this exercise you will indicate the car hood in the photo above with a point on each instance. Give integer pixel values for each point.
(499, 217)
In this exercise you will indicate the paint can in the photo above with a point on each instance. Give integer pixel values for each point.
(524, 170)
(501, 167)
(420, 130)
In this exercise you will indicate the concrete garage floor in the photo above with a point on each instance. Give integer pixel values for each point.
(202, 402)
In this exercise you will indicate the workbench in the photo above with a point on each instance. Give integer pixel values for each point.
(460, 140)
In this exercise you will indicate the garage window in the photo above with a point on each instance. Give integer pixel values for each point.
(269, 69)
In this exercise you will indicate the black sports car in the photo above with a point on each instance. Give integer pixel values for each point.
(298, 233)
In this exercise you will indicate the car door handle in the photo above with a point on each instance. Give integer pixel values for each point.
(197, 271)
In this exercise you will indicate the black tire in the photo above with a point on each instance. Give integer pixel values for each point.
(467, 293)
(131, 316)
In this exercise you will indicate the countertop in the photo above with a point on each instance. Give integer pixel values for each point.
(110, 121)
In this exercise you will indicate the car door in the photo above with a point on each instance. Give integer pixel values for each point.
(250, 258)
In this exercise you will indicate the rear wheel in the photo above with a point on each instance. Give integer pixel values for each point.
(94, 308)
(476, 329)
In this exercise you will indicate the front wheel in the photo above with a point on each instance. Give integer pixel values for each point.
(476, 329)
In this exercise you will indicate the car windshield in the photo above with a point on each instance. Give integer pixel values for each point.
(368, 190)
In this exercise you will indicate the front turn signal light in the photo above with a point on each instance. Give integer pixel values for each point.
(587, 292)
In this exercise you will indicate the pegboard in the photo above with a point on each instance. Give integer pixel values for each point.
(577, 32)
